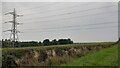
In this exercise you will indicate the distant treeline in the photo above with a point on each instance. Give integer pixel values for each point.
(46, 42)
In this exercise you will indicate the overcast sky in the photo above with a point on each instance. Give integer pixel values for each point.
(0, 20)
(80, 21)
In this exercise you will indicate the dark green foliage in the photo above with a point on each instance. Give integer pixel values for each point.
(54, 42)
(8, 62)
(46, 42)
(6, 43)
(28, 44)
(65, 41)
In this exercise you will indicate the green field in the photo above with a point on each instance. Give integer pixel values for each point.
(84, 54)
(66, 45)
(105, 57)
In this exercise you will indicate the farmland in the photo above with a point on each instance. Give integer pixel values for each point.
(59, 34)
(61, 54)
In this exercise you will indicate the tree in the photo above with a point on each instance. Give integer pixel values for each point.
(69, 41)
(40, 43)
(65, 41)
(54, 42)
(46, 42)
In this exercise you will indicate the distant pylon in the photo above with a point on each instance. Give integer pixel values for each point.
(13, 30)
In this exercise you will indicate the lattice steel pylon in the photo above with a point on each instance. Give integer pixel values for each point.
(13, 30)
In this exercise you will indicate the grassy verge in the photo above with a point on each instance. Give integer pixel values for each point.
(105, 57)
(49, 55)
(18, 52)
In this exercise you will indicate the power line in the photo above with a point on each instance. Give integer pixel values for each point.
(36, 7)
(73, 26)
(68, 13)
(57, 9)
(75, 17)
(37, 31)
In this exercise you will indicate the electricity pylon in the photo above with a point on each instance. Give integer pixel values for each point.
(13, 30)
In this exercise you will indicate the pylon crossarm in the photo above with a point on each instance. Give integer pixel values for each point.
(19, 23)
(7, 30)
(9, 22)
(19, 15)
(17, 31)
(9, 13)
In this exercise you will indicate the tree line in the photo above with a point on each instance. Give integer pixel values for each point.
(46, 42)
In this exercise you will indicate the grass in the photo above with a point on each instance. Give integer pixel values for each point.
(23, 50)
(66, 45)
(19, 53)
(104, 57)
